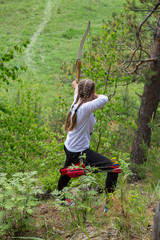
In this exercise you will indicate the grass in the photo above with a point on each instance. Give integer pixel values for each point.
(55, 29)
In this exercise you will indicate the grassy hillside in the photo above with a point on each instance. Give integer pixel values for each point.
(54, 29)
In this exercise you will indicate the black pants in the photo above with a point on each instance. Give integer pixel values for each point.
(93, 159)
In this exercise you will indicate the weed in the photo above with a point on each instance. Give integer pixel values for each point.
(16, 203)
(84, 197)
(128, 208)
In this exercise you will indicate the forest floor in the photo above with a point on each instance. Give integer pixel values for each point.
(51, 223)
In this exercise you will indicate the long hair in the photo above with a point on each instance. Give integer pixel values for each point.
(85, 90)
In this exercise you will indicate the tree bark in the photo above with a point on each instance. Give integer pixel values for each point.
(149, 104)
(156, 224)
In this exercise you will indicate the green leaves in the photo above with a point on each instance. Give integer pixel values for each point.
(16, 201)
(83, 193)
(10, 71)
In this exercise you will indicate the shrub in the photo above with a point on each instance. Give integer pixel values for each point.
(16, 202)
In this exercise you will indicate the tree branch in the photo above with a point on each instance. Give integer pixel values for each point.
(106, 82)
(139, 47)
(146, 53)
(146, 18)
(138, 94)
(143, 10)
(141, 62)
(142, 23)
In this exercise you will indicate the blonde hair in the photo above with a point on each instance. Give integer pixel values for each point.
(85, 89)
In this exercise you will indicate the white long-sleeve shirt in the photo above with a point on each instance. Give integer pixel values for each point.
(79, 138)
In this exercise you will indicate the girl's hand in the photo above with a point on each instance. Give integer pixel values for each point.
(96, 96)
(74, 84)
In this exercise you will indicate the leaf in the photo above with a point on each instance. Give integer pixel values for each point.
(29, 211)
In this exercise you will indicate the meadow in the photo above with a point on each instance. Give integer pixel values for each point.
(54, 29)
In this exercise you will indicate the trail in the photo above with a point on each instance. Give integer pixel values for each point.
(30, 49)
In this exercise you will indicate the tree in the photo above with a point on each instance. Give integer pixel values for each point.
(151, 95)
(156, 224)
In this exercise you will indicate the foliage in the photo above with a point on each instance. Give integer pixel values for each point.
(150, 169)
(60, 108)
(112, 128)
(82, 192)
(17, 199)
(127, 208)
(102, 65)
(49, 180)
(21, 133)
(153, 153)
(10, 72)
(26, 142)
(106, 53)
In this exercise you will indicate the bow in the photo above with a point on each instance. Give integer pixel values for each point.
(80, 52)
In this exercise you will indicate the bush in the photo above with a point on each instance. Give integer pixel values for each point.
(16, 202)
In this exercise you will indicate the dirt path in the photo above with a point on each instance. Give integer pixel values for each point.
(50, 5)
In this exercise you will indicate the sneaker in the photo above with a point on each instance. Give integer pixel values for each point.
(105, 211)
(57, 206)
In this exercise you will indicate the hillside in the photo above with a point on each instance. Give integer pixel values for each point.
(54, 29)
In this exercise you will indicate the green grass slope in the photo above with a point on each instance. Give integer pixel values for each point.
(54, 28)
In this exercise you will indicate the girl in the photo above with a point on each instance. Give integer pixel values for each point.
(79, 126)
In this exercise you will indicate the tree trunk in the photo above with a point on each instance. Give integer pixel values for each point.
(156, 224)
(149, 104)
